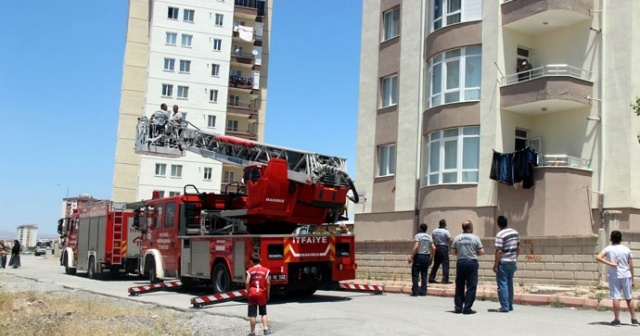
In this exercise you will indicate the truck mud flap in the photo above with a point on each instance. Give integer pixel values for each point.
(168, 285)
(201, 301)
(375, 289)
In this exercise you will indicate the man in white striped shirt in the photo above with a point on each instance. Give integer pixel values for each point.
(507, 250)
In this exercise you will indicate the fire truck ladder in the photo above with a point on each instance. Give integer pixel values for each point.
(116, 254)
(167, 285)
(304, 167)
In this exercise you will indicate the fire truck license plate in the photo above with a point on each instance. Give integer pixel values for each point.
(278, 277)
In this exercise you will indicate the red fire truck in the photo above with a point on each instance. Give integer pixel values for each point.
(207, 238)
(98, 237)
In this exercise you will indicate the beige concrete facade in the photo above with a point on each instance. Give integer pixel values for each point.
(572, 105)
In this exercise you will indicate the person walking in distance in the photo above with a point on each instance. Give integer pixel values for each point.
(504, 266)
(619, 259)
(421, 257)
(3, 255)
(467, 247)
(258, 290)
(441, 238)
(15, 255)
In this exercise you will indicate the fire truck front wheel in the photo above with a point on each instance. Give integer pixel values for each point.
(153, 276)
(220, 279)
(67, 269)
(91, 272)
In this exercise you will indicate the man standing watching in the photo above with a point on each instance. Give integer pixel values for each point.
(441, 238)
(619, 258)
(507, 251)
(421, 257)
(467, 247)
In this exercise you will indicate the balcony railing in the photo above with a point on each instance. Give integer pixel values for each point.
(563, 160)
(247, 3)
(241, 104)
(241, 82)
(547, 70)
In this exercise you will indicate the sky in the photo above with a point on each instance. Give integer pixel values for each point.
(60, 78)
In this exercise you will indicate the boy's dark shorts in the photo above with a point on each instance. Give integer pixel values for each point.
(253, 310)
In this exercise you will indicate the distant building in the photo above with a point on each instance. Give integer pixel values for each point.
(70, 204)
(27, 235)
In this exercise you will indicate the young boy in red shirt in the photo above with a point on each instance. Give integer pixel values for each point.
(258, 290)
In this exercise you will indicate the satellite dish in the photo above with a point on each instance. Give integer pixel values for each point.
(255, 53)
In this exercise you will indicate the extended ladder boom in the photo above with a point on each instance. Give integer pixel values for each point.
(304, 167)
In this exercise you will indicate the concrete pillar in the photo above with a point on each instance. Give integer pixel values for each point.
(603, 241)
(611, 221)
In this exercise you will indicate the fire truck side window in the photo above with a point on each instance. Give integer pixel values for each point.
(170, 215)
(158, 216)
(251, 174)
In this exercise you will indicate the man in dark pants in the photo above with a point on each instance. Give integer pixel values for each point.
(467, 247)
(442, 238)
(421, 257)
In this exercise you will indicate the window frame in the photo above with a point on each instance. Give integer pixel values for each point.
(221, 17)
(213, 95)
(187, 65)
(441, 62)
(176, 171)
(211, 117)
(171, 38)
(189, 40)
(233, 127)
(162, 167)
(392, 99)
(394, 14)
(208, 172)
(217, 42)
(440, 139)
(186, 17)
(228, 176)
(167, 90)
(388, 166)
(215, 70)
(173, 13)
(445, 13)
(183, 92)
(169, 64)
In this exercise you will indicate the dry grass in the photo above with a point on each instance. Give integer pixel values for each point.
(35, 313)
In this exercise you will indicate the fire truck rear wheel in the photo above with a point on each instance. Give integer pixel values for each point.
(67, 269)
(220, 279)
(91, 273)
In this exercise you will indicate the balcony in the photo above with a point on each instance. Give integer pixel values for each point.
(241, 107)
(538, 17)
(240, 82)
(242, 58)
(250, 133)
(252, 9)
(546, 89)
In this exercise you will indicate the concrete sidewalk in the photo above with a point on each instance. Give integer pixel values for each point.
(533, 295)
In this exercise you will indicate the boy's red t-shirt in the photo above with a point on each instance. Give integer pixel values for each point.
(257, 292)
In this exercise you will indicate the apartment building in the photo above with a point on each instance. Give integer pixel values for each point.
(27, 235)
(451, 88)
(209, 58)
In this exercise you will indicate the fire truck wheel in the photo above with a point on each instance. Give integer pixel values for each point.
(153, 277)
(91, 273)
(220, 278)
(67, 269)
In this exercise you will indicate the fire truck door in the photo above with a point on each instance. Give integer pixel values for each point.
(166, 231)
(238, 261)
(134, 240)
(83, 244)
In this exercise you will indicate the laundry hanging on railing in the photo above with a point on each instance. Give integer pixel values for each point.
(514, 167)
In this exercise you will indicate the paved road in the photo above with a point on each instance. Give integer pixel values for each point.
(350, 313)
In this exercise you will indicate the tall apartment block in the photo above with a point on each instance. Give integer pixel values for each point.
(27, 234)
(457, 95)
(208, 57)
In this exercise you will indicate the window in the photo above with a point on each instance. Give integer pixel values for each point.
(454, 76)
(173, 13)
(161, 195)
(386, 160)
(232, 125)
(186, 40)
(451, 156)
(234, 72)
(234, 100)
(389, 90)
(446, 12)
(176, 170)
(171, 38)
(185, 66)
(391, 22)
(213, 96)
(227, 176)
(184, 116)
(521, 139)
(183, 92)
(217, 44)
(161, 169)
(174, 193)
(170, 213)
(167, 90)
(169, 64)
(188, 15)
(219, 20)
(237, 50)
(215, 70)
(207, 174)
(211, 121)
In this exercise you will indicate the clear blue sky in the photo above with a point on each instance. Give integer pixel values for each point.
(60, 75)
